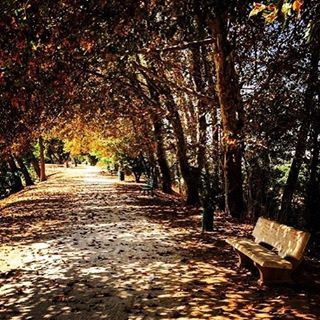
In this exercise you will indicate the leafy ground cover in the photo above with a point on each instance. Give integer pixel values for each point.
(84, 246)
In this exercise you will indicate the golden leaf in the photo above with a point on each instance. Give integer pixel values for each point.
(257, 8)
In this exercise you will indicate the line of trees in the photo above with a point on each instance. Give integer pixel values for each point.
(227, 103)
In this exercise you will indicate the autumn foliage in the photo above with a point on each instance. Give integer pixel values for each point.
(214, 103)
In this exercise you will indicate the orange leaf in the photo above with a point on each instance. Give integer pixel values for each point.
(297, 5)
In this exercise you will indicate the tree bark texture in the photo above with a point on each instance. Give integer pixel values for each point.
(228, 92)
(24, 171)
(17, 183)
(43, 176)
(189, 174)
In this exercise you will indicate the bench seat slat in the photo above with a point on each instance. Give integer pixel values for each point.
(259, 254)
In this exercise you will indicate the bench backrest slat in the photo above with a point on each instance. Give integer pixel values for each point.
(289, 241)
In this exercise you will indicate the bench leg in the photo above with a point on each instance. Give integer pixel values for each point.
(244, 261)
(273, 275)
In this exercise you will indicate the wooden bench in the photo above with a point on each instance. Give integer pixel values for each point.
(148, 188)
(276, 251)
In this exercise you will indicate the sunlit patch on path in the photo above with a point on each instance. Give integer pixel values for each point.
(82, 246)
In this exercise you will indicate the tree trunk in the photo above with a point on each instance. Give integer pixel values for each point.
(292, 180)
(202, 107)
(191, 177)
(50, 153)
(137, 176)
(161, 153)
(312, 215)
(228, 92)
(42, 163)
(24, 171)
(207, 219)
(35, 163)
(17, 183)
(121, 175)
(158, 135)
(193, 185)
(257, 185)
(297, 160)
(162, 158)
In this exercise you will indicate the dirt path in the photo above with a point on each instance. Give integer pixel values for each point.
(82, 246)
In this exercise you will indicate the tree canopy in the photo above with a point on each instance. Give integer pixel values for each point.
(205, 92)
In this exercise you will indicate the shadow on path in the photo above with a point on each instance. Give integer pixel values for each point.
(82, 246)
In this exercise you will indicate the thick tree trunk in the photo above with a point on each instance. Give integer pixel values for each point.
(24, 171)
(43, 176)
(312, 214)
(161, 155)
(297, 160)
(160, 149)
(207, 219)
(291, 183)
(228, 92)
(193, 185)
(202, 107)
(209, 83)
(17, 183)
